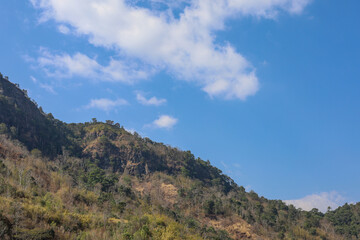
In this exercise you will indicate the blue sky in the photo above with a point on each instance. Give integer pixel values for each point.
(267, 90)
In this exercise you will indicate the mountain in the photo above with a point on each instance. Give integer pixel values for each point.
(28, 123)
(95, 180)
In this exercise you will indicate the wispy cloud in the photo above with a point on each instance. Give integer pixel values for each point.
(64, 65)
(33, 79)
(63, 29)
(164, 121)
(49, 88)
(234, 170)
(320, 201)
(106, 104)
(183, 44)
(130, 130)
(154, 101)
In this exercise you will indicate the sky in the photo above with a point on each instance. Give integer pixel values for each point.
(267, 90)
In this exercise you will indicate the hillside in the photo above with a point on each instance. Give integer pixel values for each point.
(28, 123)
(95, 180)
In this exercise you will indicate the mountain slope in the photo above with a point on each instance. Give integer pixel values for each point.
(97, 181)
(24, 121)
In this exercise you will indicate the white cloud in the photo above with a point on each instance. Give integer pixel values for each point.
(63, 29)
(130, 130)
(165, 121)
(183, 44)
(151, 101)
(106, 104)
(65, 66)
(320, 201)
(49, 88)
(33, 79)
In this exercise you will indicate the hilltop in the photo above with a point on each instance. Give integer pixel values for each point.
(95, 180)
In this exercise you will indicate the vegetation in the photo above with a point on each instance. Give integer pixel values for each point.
(346, 220)
(95, 180)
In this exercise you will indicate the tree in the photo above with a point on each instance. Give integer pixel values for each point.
(109, 122)
(3, 128)
(50, 116)
(209, 207)
(13, 131)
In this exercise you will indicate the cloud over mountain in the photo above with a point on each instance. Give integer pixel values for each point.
(320, 201)
(165, 121)
(184, 45)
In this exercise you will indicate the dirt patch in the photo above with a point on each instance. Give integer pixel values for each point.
(170, 192)
(236, 227)
(239, 231)
(139, 189)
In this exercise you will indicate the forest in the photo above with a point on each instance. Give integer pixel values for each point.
(95, 180)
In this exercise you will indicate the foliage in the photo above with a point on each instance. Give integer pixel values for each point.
(95, 180)
(346, 220)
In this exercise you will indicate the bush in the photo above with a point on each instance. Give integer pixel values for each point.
(34, 234)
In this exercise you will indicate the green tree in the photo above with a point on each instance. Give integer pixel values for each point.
(209, 207)
(3, 128)
(13, 131)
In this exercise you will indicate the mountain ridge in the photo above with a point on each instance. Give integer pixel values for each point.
(95, 180)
